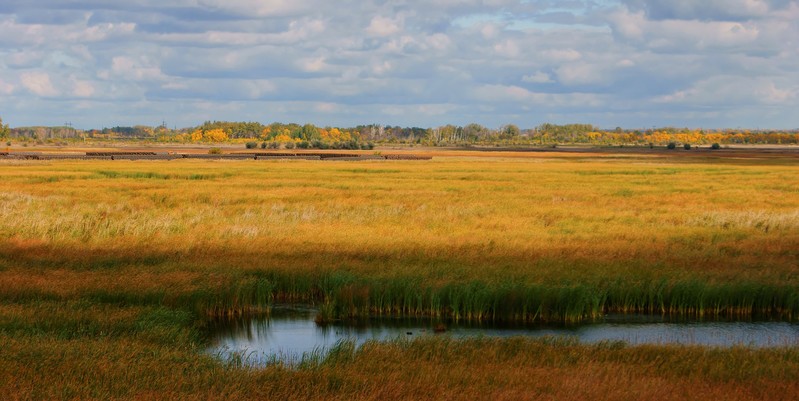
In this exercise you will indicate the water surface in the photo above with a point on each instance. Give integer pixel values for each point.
(291, 332)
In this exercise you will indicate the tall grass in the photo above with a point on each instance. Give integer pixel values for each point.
(510, 301)
(111, 271)
(532, 237)
(46, 367)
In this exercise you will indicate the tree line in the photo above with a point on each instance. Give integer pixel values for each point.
(277, 135)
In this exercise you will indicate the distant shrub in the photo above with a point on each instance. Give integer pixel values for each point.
(687, 146)
(671, 145)
(251, 145)
(351, 145)
(367, 146)
(263, 145)
(273, 145)
(290, 145)
(304, 145)
(8, 143)
(715, 146)
(214, 151)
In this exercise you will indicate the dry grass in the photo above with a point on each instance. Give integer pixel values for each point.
(556, 221)
(107, 269)
(436, 368)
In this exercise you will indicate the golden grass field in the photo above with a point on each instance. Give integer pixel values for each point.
(109, 269)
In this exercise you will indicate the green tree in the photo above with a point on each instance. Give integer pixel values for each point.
(3, 129)
(308, 132)
(509, 131)
(474, 132)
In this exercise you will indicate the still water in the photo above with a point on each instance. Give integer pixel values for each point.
(291, 332)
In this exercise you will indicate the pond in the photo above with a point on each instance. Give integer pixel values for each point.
(290, 331)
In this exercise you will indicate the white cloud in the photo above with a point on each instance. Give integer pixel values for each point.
(383, 26)
(6, 88)
(624, 62)
(314, 64)
(24, 58)
(539, 77)
(705, 9)
(561, 55)
(507, 48)
(734, 90)
(326, 107)
(438, 41)
(82, 88)
(509, 93)
(259, 8)
(127, 68)
(39, 84)
(583, 73)
(687, 35)
(259, 88)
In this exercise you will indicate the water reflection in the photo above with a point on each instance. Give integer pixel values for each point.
(291, 332)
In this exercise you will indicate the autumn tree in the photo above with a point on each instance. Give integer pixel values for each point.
(266, 133)
(308, 132)
(474, 132)
(283, 137)
(509, 131)
(335, 135)
(216, 135)
(3, 129)
(448, 133)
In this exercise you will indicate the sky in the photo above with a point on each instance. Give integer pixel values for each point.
(628, 63)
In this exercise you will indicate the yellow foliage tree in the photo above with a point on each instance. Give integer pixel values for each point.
(282, 138)
(335, 135)
(265, 133)
(216, 135)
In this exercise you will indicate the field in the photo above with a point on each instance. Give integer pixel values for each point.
(109, 271)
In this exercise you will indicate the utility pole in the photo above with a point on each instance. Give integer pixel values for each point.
(70, 130)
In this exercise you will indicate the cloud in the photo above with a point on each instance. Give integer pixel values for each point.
(6, 88)
(561, 55)
(39, 84)
(736, 91)
(257, 8)
(680, 35)
(382, 26)
(708, 10)
(582, 74)
(620, 62)
(539, 77)
(516, 94)
(128, 68)
(82, 88)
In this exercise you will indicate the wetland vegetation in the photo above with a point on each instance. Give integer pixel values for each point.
(111, 271)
